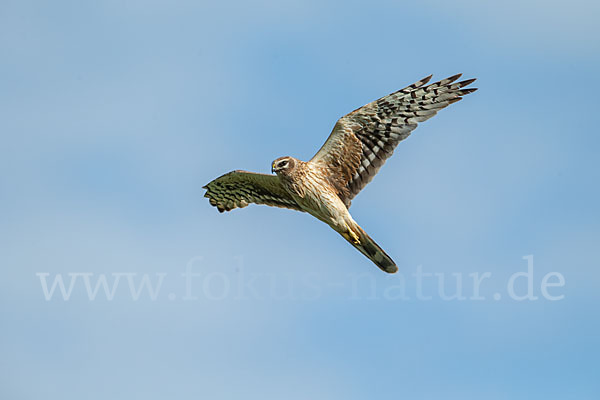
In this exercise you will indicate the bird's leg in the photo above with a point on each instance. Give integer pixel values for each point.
(351, 236)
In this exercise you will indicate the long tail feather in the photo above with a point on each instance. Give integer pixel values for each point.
(369, 248)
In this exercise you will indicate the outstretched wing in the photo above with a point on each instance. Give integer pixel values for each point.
(363, 140)
(240, 188)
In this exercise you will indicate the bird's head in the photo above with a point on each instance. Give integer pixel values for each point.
(283, 165)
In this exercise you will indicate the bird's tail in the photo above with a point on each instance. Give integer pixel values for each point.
(358, 238)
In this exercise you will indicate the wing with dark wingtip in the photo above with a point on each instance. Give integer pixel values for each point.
(240, 188)
(363, 140)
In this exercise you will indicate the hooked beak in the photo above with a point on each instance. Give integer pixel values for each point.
(273, 168)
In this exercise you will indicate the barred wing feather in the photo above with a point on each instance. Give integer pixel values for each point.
(240, 188)
(364, 139)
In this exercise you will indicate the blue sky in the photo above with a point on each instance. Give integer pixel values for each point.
(114, 114)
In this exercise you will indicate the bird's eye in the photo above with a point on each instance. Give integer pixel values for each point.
(283, 164)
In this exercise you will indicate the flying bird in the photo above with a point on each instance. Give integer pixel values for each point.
(358, 146)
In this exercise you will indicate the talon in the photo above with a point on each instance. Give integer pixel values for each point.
(354, 237)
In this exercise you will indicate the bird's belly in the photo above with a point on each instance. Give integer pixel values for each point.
(324, 205)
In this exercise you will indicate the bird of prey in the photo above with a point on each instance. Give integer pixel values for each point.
(356, 148)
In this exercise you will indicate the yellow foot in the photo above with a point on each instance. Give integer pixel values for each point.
(351, 236)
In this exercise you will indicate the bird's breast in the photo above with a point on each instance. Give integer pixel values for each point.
(316, 196)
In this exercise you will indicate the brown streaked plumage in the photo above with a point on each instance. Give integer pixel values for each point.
(358, 146)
